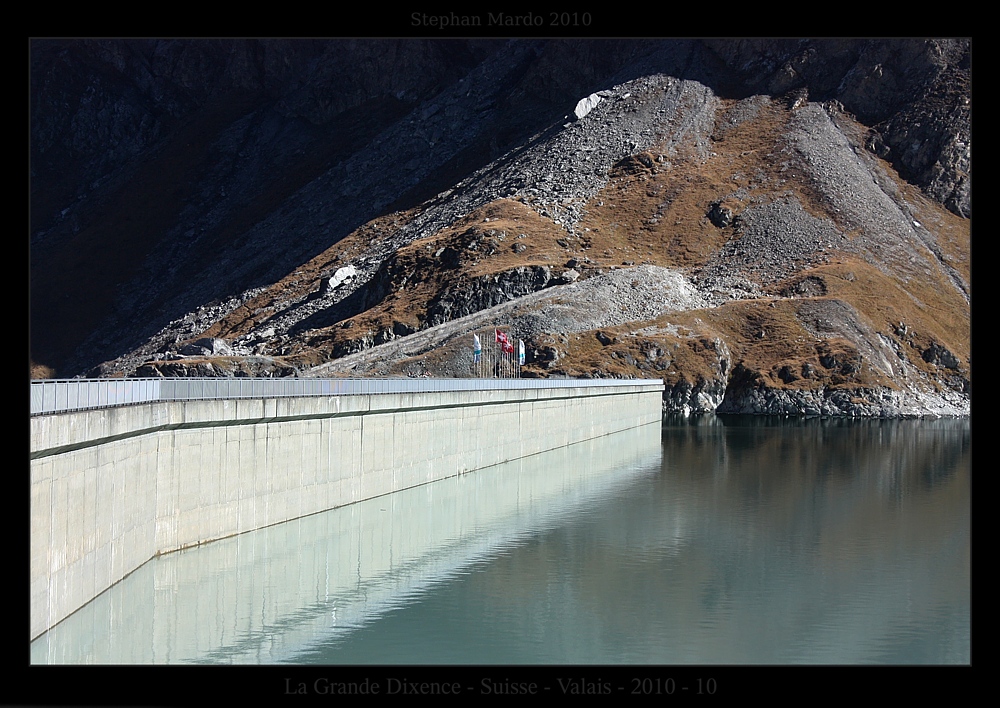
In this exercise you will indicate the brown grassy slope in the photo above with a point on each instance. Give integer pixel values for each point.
(767, 335)
(662, 348)
(307, 277)
(953, 232)
(424, 268)
(653, 209)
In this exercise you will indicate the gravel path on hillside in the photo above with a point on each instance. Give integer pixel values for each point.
(617, 297)
(614, 298)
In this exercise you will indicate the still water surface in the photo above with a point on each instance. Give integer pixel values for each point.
(739, 540)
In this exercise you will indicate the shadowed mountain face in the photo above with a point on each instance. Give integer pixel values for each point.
(767, 225)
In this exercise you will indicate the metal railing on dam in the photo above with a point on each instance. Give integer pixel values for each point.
(64, 395)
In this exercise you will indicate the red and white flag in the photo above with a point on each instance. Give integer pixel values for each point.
(505, 343)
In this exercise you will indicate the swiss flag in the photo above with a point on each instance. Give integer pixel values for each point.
(505, 343)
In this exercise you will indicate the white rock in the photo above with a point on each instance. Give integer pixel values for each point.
(586, 105)
(343, 275)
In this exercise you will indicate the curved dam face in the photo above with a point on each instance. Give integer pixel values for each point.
(112, 488)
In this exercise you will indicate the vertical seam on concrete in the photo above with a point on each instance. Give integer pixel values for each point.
(49, 609)
(267, 474)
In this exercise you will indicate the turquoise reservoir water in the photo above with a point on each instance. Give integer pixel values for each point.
(729, 540)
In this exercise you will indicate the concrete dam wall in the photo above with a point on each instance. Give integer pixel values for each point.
(113, 487)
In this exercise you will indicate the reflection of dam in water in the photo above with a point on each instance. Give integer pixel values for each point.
(263, 596)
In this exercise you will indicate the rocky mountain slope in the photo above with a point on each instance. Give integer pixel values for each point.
(769, 226)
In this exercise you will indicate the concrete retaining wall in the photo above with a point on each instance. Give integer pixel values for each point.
(112, 488)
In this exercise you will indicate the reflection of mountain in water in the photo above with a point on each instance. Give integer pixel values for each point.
(902, 454)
